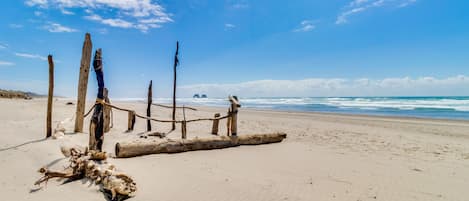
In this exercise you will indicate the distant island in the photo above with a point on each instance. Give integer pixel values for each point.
(199, 96)
(18, 94)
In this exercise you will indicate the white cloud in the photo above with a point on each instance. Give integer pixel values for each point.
(31, 56)
(403, 86)
(6, 63)
(58, 28)
(229, 26)
(238, 4)
(305, 26)
(38, 13)
(3, 46)
(358, 6)
(138, 14)
(16, 26)
(66, 12)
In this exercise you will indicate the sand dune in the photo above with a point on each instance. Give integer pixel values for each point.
(325, 157)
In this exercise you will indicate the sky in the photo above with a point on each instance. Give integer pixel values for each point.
(247, 48)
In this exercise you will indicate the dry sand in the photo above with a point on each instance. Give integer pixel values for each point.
(325, 157)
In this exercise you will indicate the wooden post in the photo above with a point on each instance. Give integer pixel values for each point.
(131, 121)
(150, 101)
(183, 124)
(107, 111)
(97, 120)
(228, 122)
(83, 82)
(176, 62)
(234, 117)
(215, 124)
(50, 97)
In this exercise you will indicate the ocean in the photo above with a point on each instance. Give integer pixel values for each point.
(425, 107)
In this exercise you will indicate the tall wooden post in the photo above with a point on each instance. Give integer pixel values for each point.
(83, 83)
(97, 120)
(176, 62)
(50, 97)
(107, 111)
(234, 114)
(215, 124)
(150, 101)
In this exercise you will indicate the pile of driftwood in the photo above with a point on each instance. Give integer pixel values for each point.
(91, 164)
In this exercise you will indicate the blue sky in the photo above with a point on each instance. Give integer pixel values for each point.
(244, 47)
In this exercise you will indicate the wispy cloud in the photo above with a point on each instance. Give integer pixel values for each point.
(3, 46)
(31, 56)
(58, 28)
(138, 14)
(305, 26)
(16, 26)
(400, 86)
(238, 4)
(111, 22)
(358, 6)
(6, 63)
(229, 26)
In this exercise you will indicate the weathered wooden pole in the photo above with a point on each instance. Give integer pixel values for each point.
(150, 101)
(234, 114)
(50, 97)
(215, 124)
(176, 62)
(97, 120)
(131, 121)
(83, 82)
(228, 122)
(183, 124)
(107, 111)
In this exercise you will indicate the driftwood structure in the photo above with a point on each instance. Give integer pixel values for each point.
(87, 164)
(97, 120)
(83, 82)
(50, 97)
(132, 149)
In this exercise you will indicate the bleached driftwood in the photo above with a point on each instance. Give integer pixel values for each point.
(131, 149)
(83, 165)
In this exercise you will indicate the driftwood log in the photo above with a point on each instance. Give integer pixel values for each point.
(83, 165)
(132, 149)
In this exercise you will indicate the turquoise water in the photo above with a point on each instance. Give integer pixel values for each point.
(426, 107)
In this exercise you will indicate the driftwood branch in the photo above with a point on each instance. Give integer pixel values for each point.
(82, 164)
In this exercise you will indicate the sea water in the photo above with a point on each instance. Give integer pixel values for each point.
(426, 107)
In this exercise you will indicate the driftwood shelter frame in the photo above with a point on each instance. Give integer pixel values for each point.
(117, 183)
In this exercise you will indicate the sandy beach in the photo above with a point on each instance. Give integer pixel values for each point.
(325, 157)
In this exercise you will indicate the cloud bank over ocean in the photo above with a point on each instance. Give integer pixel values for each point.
(400, 86)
